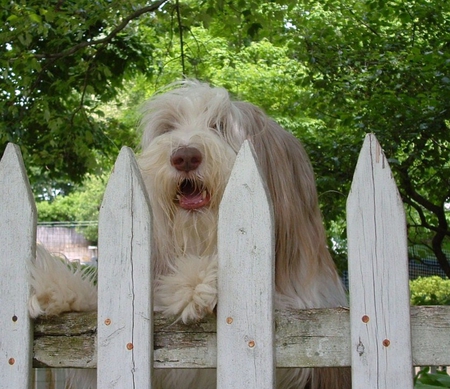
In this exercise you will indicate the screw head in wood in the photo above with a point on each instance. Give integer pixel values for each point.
(130, 346)
(11, 361)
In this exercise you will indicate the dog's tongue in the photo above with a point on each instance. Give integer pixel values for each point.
(191, 197)
(193, 202)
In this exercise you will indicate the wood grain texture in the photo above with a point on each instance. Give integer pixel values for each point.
(125, 341)
(18, 247)
(245, 337)
(378, 275)
(317, 337)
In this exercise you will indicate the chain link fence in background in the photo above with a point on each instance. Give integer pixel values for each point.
(423, 263)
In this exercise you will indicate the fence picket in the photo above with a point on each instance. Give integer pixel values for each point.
(378, 271)
(18, 247)
(125, 317)
(245, 330)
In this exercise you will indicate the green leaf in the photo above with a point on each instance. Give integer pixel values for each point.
(443, 378)
(35, 18)
(88, 137)
(420, 385)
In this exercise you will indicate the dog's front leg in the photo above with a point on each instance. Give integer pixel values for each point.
(190, 291)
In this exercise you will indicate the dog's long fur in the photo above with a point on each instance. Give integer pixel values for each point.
(196, 118)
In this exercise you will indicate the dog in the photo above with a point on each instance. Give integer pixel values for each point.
(191, 134)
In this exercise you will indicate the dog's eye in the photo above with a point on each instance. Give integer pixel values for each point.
(166, 127)
(218, 126)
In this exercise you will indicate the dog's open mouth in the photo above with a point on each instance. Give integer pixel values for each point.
(191, 195)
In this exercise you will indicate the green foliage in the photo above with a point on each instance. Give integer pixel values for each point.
(81, 205)
(62, 208)
(430, 291)
(59, 62)
(328, 71)
(427, 380)
(382, 67)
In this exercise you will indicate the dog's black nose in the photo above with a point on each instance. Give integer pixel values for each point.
(186, 159)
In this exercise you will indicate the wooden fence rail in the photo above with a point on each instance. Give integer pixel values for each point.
(379, 336)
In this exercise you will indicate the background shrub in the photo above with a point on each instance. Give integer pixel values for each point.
(432, 290)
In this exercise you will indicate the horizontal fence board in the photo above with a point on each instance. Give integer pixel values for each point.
(66, 340)
(317, 337)
(430, 335)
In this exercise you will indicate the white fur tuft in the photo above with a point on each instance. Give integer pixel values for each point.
(190, 290)
(58, 287)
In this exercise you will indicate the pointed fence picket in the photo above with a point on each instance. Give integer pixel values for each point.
(125, 325)
(17, 248)
(245, 315)
(378, 273)
(247, 347)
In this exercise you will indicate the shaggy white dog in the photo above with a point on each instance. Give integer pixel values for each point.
(191, 135)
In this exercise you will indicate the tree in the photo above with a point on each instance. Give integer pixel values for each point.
(383, 67)
(81, 205)
(60, 61)
(328, 71)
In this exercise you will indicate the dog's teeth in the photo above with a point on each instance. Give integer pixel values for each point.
(178, 197)
(204, 194)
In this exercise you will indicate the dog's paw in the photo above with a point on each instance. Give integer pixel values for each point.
(190, 291)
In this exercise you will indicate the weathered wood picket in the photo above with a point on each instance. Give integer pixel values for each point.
(17, 241)
(378, 271)
(125, 328)
(379, 336)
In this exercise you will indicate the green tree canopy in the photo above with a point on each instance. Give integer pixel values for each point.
(384, 67)
(60, 61)
(73, 73)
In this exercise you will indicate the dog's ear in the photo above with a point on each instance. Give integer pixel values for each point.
(301, 251)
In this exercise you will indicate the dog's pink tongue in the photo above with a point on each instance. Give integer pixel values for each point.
(193, 201)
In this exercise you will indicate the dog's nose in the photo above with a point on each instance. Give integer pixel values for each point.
(186, 159)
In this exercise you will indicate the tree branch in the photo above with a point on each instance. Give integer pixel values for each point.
(440, 231)
(180, 32)
(151, 8)
(52, 58)
(419, 209)
(360, 21)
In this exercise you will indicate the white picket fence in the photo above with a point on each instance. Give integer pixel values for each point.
(381, 339)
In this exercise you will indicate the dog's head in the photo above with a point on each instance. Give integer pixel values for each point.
(191, 135)
(189, 145)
